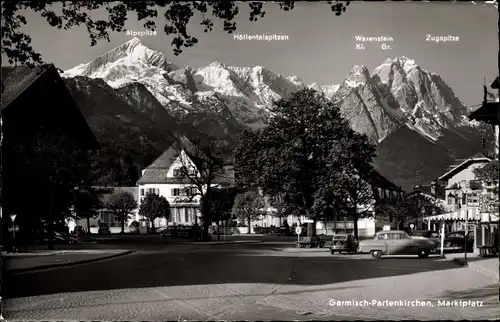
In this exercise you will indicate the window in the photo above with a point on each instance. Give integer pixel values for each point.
(396, 236)
(142, 192)
(155, 191)
(183, 170)
(176, 192)
(434, 235)
(472, 198)
(451, 200)
(383, 236)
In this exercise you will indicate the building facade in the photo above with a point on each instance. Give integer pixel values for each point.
(106, 217)
(173, 176)
(382, 190)
(464, 202)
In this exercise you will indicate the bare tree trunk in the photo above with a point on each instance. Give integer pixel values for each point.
(249, 225)
(123, 226)
(153, 228)
(335, 214)
(355, 220)
(88, 225)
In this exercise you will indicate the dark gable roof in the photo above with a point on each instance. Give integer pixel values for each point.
(16, 80)
(167, 158)
(45, 79)
(157, 171)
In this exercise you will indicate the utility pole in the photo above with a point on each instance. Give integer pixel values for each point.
(464, 185)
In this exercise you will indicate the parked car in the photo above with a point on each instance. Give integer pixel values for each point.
(104, 230)
(455, 241)
(344, 243)
(396, 242)
(429, 234)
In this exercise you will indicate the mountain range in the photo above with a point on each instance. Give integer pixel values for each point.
(135, 95)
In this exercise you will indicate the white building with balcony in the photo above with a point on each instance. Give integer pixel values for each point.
(164, 178)
(465, 195)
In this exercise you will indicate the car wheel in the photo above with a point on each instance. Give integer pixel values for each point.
(423, 253)
(376, 254)
(333, 252)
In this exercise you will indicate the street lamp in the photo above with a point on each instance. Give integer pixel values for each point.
(423, 216)
(463, 188)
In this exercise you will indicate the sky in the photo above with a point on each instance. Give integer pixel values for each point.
(321, 46)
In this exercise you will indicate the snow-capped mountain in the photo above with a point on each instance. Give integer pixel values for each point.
(396, 93)
(248, 92)
(142, 97)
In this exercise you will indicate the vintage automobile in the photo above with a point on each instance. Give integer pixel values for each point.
(429, 234)
(396, 242)
(344, 243)
(455, 241)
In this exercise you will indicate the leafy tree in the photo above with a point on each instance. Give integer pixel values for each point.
(281, 204)
(201, 169)
(222, 203)
(121, 204)
(307, 152)
(87, 202)
(489, 175)
(249, 206)
(154, 206)
(489, 172)
(360, 200)
(17, 44)
(51, 163)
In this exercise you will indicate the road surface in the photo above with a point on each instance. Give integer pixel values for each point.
(163, 281)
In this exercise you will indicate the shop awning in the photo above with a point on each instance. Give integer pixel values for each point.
(461, 214)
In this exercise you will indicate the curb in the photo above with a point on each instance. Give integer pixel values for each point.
(477, 268)
(217, 243)
(44, 267)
